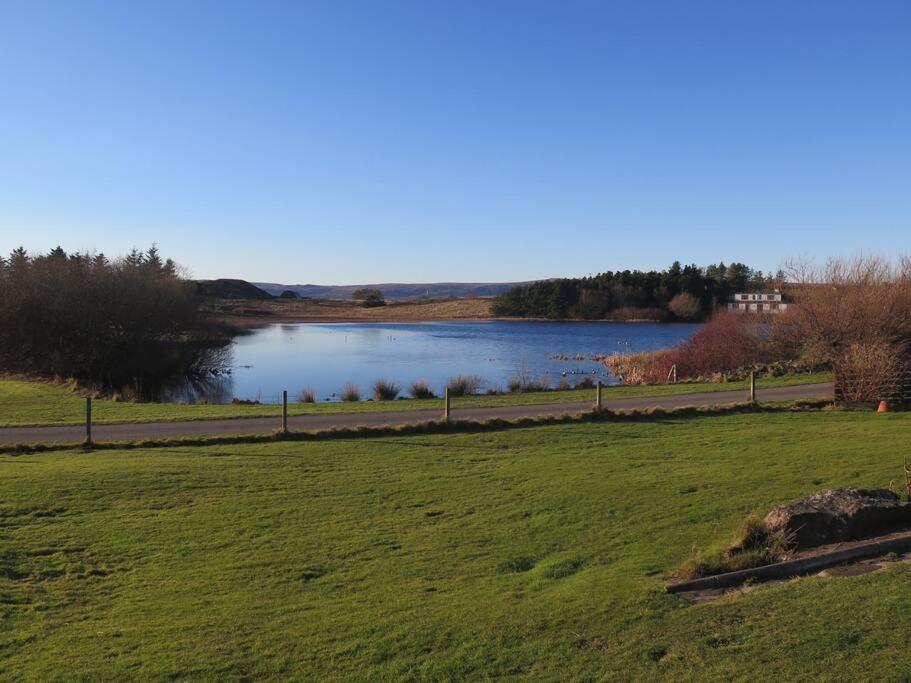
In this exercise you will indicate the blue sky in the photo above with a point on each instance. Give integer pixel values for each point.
(359, 142)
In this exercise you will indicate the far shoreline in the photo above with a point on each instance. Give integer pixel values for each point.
(247, 313)
(253, 321)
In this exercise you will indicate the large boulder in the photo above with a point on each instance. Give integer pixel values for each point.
(839, 515)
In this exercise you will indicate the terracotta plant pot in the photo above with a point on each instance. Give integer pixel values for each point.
(884, 407)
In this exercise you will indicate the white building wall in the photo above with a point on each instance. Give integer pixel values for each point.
(757, 302)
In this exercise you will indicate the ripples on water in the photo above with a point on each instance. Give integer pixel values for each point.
(327, 356)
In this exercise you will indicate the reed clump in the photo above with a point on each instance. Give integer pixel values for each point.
(421, 389)
(522, 384)
(464, 385)
(351, 392)
(386, 390)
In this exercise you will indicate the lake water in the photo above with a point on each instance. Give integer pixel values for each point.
(326, 356)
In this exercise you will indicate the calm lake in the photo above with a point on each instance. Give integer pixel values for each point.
(326, 356)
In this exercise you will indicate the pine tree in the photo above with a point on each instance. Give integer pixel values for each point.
(153, 258)
(19, 258)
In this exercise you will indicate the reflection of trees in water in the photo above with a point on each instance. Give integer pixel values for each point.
(209, 378)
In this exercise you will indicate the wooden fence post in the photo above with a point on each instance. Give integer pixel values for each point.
(447, 407)
(752, 387)
(598, 396)
(88, 421)
(285, 411)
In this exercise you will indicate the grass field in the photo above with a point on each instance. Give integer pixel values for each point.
(537, 553)
(256, 312)
(25, 403)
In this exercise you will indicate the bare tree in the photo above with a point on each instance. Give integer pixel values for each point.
(865, 299)
(856, 314)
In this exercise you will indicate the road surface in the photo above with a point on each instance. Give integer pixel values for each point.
(261, 425)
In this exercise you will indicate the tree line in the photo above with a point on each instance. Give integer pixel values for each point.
(129, 324)
(677, 293)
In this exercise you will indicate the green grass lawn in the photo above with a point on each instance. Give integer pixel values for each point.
(25, 403)
(537, 553)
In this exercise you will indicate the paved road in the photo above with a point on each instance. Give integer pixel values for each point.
(260, 425)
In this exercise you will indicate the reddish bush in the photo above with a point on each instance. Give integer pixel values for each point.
(729, 341)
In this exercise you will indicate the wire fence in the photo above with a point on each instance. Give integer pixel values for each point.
(870, 388)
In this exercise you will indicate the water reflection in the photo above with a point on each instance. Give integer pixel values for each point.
(217, 389)
(327, 356)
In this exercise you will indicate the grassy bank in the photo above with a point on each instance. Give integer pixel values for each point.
(25, 403)
(534, 552)
(257, 312)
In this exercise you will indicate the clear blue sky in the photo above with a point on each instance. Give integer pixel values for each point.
(360, 142)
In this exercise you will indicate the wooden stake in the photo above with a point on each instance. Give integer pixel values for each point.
(285, 411)
(88, 422)
(752, 387)
(598, 396)
(447, 408)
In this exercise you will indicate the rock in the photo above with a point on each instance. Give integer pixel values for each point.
(839, 515)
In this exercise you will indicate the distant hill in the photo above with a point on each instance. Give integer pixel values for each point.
(395, 291)
(231, 289)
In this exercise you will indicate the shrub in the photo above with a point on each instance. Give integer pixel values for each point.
(307, 395)
(865, 299)
(369, 298)
(685, 307)
(868, 371)
(524, 383)
(351, 392)
(464, 385)
(855, 313)
(420, 389)
(385, 390)
(585, 383)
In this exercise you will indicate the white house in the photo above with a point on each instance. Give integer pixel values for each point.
(757, 302)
